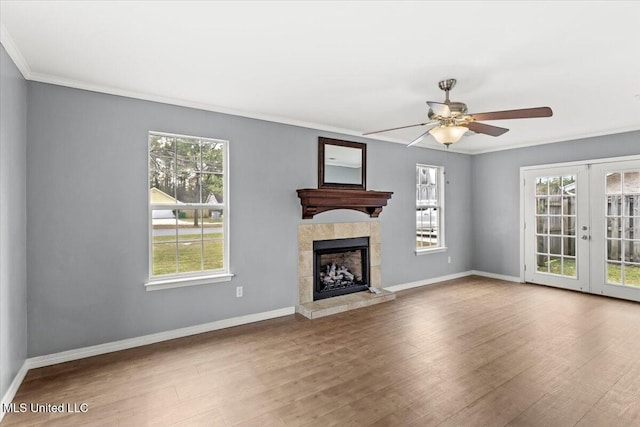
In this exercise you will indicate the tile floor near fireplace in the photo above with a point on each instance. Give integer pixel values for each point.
(307, 234)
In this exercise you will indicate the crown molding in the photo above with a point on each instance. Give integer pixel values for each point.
(17, 57)
(76, 84)
(14, 53)
(634, 128)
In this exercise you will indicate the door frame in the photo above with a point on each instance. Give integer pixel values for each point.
(524, 169)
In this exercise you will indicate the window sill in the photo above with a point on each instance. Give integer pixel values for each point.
(431, 251)
(156, 285)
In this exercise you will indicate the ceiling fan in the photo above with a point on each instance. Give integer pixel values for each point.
(450, 121)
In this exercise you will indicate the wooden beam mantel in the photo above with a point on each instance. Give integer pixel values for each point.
(317, 200)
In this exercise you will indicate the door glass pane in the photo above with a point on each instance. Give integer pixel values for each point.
(631, 207)
(555, 225)
(614, 250)
(632, 228)
(569, 205)
(613, 228)
(542, 225)
(541, 205)
(614, 183)
(555, 185)
(632, 251)
(631, 182)
(555, 265)
(542, 263)
(569, 267)
(614, 273)
(555, 245)
(542, 186)
(569, 246)
(632, 275)
(555, 205)
(543, 244)
(614, 205)
(569, 226)
(569, 185)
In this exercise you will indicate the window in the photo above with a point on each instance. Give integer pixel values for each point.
(429, 208)
(188, 209)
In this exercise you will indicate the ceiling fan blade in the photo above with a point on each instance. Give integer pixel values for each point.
(420, 138)
(401, 127)
(524, 113)
(439, 108)
(486, 129)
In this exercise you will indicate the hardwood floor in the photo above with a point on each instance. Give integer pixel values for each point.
(473, 351)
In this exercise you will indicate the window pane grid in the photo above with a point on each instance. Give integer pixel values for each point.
(428, 207)
(555, 223)
(186, 178)
(622, 222)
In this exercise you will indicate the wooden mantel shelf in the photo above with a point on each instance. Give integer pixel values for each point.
(317, 200)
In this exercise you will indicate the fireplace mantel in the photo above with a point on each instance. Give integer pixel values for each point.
(317, 200)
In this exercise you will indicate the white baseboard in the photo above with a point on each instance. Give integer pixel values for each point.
(80, 353)
(13, 388)
(433, 281)
(496, 276)
(426, 282)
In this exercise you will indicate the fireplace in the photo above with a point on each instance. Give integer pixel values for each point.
(340, 266)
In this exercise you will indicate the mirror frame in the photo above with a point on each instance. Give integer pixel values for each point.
(322, 142)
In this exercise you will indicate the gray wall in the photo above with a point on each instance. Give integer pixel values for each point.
(87, 212)
(496, 193)
(13, 221)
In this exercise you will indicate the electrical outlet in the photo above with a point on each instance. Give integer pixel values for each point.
(449, 260)
(238, 291)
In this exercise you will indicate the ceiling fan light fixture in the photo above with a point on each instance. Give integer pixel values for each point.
(448, 134)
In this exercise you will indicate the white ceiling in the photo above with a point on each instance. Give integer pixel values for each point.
(351, 67)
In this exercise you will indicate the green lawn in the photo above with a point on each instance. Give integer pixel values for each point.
(189, 253)
(614, 273)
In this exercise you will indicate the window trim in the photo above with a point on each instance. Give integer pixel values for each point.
(442, 246)
(179, 280)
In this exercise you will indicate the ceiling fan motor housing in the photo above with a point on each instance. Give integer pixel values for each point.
(457, 109)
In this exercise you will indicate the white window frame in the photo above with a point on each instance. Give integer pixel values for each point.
(168, 281)
(441, 247)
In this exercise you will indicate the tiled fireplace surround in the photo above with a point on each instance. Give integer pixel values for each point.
(307, 233)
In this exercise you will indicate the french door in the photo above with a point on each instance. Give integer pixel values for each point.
(582, 227)
(556, 203)
(616, 229)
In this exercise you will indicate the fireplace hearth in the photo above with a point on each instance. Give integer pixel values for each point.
(341, 266)
(311, 307)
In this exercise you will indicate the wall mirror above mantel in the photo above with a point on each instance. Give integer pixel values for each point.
(342, 164)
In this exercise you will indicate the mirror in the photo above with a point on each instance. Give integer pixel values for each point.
(341, 164)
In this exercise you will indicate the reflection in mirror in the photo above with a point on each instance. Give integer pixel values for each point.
(342, 164)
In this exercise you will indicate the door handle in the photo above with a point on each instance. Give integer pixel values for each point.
(585, 237)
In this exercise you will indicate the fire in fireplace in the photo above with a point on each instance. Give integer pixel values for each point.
(341, 266)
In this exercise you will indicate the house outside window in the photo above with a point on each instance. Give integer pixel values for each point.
(188, 210)
(429, 208)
